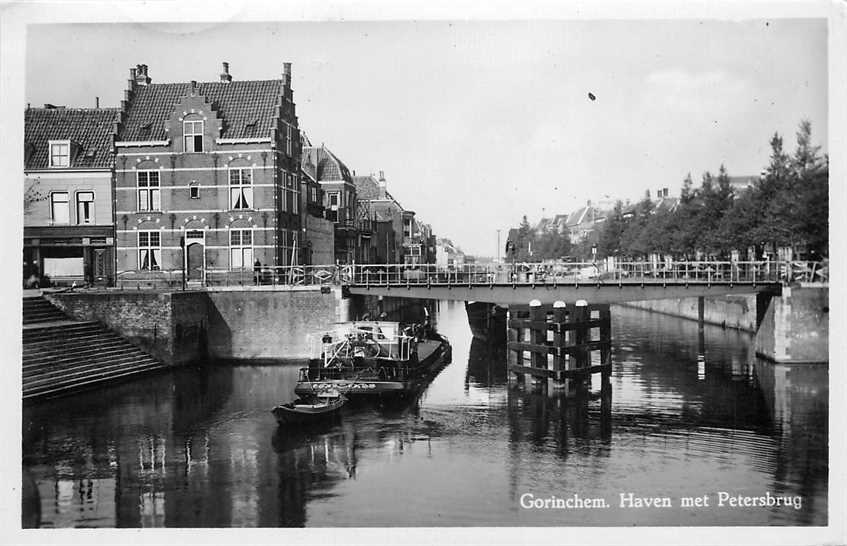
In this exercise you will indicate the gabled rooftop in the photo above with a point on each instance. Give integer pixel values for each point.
(247, 108)
(328, 167)
(89, 130)
(367, 187)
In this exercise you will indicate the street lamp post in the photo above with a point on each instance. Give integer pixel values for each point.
(498, 246)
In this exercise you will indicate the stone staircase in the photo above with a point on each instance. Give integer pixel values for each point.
(38, 309)
(61, 356)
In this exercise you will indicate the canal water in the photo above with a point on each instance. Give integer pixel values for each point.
(692, 414)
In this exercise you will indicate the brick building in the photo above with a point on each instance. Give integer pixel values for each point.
(319, 246)
(206, 178)
(385, 215)
(339, 203)
(68, 215)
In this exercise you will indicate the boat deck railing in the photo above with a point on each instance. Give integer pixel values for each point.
(356, 374)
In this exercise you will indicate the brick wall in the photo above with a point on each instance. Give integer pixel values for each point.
(143, 318)
(181, 327)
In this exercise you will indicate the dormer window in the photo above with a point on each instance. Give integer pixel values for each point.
(192, 135)
(60, 153)
(250, 129)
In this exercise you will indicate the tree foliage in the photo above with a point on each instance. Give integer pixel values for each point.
(787, 207)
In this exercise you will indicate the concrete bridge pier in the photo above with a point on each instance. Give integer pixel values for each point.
(794, 326)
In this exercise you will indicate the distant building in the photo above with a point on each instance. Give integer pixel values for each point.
(378, 206)
(584, 223)
(740, 184)
(68, 215)
(319, 233)
(448, 254)
(339, 203)
(207, 178)
(545, 225)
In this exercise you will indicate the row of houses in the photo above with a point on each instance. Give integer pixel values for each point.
(195, 179)
(585, 223)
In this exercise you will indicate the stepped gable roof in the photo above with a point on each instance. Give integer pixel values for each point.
(88, 129)
(328, 167)
(247, 108)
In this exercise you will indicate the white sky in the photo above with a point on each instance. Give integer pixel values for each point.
(478, 123)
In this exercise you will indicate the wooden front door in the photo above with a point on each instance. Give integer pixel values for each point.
(195, 262)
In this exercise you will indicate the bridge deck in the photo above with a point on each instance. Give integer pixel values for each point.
(548, 293)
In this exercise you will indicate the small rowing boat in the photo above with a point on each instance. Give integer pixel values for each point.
(309, 409)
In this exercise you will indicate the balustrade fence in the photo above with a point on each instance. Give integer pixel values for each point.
(708, 272)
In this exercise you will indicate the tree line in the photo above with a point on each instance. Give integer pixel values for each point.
(787, 206)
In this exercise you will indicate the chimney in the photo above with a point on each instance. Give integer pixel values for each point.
(382, 185)
(286, 74)
(96, 102)
(140, 74)
(193, 87)
(225, 75)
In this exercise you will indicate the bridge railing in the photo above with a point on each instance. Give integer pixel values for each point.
(725, 272)
(629, 272)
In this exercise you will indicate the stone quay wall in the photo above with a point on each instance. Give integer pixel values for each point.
(795, 327)
(737, 312)
(789, 328)
(180, 327)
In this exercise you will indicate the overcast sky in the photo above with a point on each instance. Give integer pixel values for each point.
(475, 123)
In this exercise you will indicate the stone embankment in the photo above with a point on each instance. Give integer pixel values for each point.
(61, 355)
(792, 327)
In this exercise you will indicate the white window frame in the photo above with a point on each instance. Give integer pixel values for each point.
(190, 134)
(149, 192)
(58, 144)
(66, 202)
(244, 189)
(91, 211)
(193, 190)
(149, 252)
(288, 140)
(238, 248)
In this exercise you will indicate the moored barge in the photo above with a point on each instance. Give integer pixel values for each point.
(373, 358)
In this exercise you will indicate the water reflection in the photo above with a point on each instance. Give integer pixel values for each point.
(486, 364)
(685, 412)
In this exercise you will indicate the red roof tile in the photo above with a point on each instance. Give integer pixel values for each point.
(88, 129)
